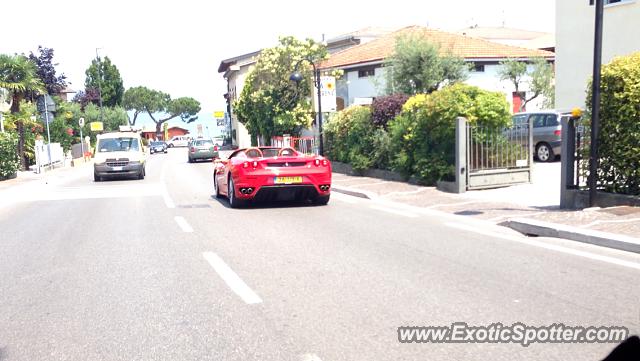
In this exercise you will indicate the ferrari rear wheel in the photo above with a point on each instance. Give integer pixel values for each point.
(234, 202)
(322, 200)
(216, 189)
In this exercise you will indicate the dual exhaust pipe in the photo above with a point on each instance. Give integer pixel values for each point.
(246, 190)
(325, 187)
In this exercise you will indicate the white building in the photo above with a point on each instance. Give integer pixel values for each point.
(575, 21)
(364, 75)
(235, 71)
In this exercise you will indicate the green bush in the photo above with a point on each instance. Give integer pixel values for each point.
(423, 135)
(350, 137)
(619, 142)
(9, 161)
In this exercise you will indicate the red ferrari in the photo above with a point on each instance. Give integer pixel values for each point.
(269, 174)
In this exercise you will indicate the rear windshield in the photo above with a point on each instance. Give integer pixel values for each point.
(156, 143)
(204, 142)
(123, 144)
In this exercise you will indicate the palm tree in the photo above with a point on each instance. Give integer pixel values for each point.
(19, 76)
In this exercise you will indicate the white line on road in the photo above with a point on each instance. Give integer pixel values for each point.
(310, 357)
(167, 198)
(548, 246)
(232, 280)
(395, 211)
(183, 224)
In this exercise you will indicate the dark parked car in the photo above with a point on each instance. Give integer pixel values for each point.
(157, 147)
(547, 132)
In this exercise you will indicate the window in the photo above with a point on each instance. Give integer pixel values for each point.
(551, 121)
(366, 72)
(478, 68)
(118, 145)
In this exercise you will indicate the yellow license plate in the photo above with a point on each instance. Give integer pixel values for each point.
(287, 180)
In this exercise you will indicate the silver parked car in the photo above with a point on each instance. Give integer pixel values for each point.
(547, 131)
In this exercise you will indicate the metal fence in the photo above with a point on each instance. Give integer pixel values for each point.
(498, 156)
(306, 145)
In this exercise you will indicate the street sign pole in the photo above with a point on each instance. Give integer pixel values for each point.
(46, 119)
(81, 123)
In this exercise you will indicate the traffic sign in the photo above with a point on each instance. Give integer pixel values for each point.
(81, 122)
(218, 114)
(96, 126)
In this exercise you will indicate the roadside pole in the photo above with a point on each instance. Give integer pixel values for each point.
(81, 124)
(46, 119)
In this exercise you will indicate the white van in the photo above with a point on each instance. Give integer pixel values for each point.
(119, 154)
(179, 141)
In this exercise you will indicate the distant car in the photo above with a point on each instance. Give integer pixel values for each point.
(269, 173)
(157, 147)
(547, 132)
(179, 141)
(202, 149)
(119, 154)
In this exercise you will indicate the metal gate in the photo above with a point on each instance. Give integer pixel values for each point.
(498, 156)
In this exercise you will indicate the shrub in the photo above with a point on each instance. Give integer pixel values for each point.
(385, 108)
(619, 150)
(349, 137)
(423, 135)
(9, 161)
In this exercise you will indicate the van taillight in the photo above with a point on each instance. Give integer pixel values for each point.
(193, 149)
(557, 133)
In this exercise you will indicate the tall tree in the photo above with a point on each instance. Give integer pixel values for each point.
(19, 76)
(105, 76)
(270, 103)
(160, 107)
(141, 99)
(538, 79)
(46, 70)
(185, 108)
(417, 66)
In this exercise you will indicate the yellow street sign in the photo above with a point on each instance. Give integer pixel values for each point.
(218, 114)
(96, 126)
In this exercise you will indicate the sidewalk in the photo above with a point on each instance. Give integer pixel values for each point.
(28, 179)
(529, 208)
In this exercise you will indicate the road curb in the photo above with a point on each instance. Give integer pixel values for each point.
(599, 238)
(353, 192)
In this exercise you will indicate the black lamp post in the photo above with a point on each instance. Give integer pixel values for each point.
(595, 103)
(297, 77)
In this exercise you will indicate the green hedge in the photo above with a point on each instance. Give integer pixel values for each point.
(619, 142)
(423, 135)
(9, 161)
(420, 141)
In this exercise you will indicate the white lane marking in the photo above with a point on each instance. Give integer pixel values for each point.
(232, 280)
(165, 192)
(310, 357)
(182, 223)
(553, 247)
(395, 211)
(167, 198)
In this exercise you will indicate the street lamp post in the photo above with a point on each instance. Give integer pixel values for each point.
(595, 103)
(99, 64)
(297, 77)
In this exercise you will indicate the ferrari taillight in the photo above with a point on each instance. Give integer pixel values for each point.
(245, 165)
(317, 162)
(255, 164)
(325, 162)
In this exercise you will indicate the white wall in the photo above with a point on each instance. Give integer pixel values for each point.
(236, 80)
(574, 44)
(488, 80)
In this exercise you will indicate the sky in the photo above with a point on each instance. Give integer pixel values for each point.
(176, 46)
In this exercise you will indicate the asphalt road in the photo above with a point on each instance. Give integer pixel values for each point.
(158, 269)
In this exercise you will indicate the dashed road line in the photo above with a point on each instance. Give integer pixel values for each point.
(232, 280)
(182, 223)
